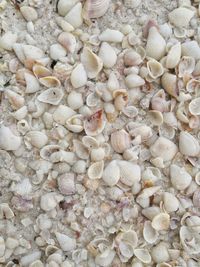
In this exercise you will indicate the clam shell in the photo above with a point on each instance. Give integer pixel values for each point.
(29, 13)
(16, 100)
(47, 151)
(105, 258)
(74, 124)
(160, 253)
(149, 233)
(171, 203)
(74, 16)
(95, 170)
(194, 106)
(186, 66)
(180, 17)
(90, 142)
(161, 222)
(113, 36)
(91, 62)
(134, 80)
(188, 144)
(78, 76)
(51, 96)
(155, 117)
(7, 40)
(40, 71)
(95, 8)
(8, 140)
(179, 177)
(94, 124)
(68, 41)
(65, 6)
(143, 255)
(57, 51)
(120, 141)
(36, 138)
(107, 55)
(155, 69)
(66, 184)
(62, 114)
(169, 83)
(132, 58)
(173, 56)
(81, 151)
(49, 81)
(130, 173)
(111, 174)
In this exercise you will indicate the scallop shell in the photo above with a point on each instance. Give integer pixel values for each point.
(143, 255)
(95, 8)
(50, 81)
(120, 141)
(155, 69)
(161, 222)
(149, 233)
(169, 83)
(51, 96)
(179, 177)
(78, 76)
(8, 140)
(94, 124)
(68, 41)
(130, 173)
(155, 117)
(95, 170)
(188, 144)
(91, 62)
(181, 16)
(36, 138)
(173, 56)
(111, 174)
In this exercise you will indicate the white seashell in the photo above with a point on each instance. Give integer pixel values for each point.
(180, 17)
(51, 96)
(78, 76)
(134, 80)
(171, 203)
(130, 173)
(40, 71)
(94, 124)
(144, 132)
(173, 56)
(111, 174)
(156, 45)
(9, 141)
(189, 240)
(29, 13)
(18, 49)
(32, 84)
(30, 257)
(36, 138)
(23, 188)
(66, 184)
(63, 156)
(132, 58)
(62, 113)
(49, 81)
(191, 49)
(36, 263)
(105, 258)
(155, 117)
(7, 40)
(68, 41)
(155, 69)
(75, 123)
(164, 148)
(169, 83)
(65, 26)
(194, 106)
(95, 8)
(90, 142)
(6, 212)
(74, 16)
(80, 150)
(188, 144)
(91, 62)
(149, 233)
(113, 36)
(95, 170)
(57, 51)
(75, 100)
(65, 6)
(48, 201)
(130, 111)
(165, 30)
(160, 253)
(186, 66)
(107, 55)
(66, 243)
(179, 177)
(16, 100)
(23, 127)
(113, 83)
(79, 167)
(161, 222)
(97, 154)
(32, 52)
(48, 150)
(120, 141)
(143, 255)
(126, 250)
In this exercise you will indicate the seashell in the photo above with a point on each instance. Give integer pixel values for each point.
(95, 170)
(74, 16)
(107, 55)
(165, 30)
(62, 114)
(155, 117)
(120, 99)
(16, 100)
(92, 99)
(36, 263)
(156, 45)
(196, 198)
(68, 41)
(130, 111)
(36, 138)
(51, 96)
(8, 140)
(169, 83)
(32, 84)
(180, 17)
(31, 52)
(57, 51)
(48, 150)
(132, 58)
(48, 201)
(188, 145)
(149, 233)
(29, 13)
(95, 8)
(63, 156)
(164, 148)
(113, 36)
(30, 257)
(136, 263)
(160, 253)
(197, 178)
(112, 83)
(189, 240)
(66, 184)
(164, 264)
(65, 6)
(155, 69)
(105, 258)
(75, 100)
(90, 142)
(7, 40)
(180, 179)
(171, 203)
(97, 154)
(151, 212)
(65, 26)
(49, 81)
(143, 255)
(75, 123)
(194, 106)
(111, 174)
(23, 127)
(145, 132)
(191, 49)
(80, 150)
(66, 243)
(6, 212)
(159, 103)
(78, 76)
(62, 71)
(120, 141)
(186, 66)
(170, 119)
(126, 250)
(173, 56)
(40, 71)
(94, 124)
(161, 222)
(134, 80)
(91, 62)
(130, 173)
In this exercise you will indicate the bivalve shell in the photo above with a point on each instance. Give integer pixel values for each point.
(194, 106)
(111, 174)
(105, 258)
(65, 6)
(188, 144)
(143, 255)
(95, 8)
(130, 173)
(179, 177)
(107, 55)
(8, 140)
(120, 141)
(173, 56)
(134, 80)
(68, 41)
(171, 203)
(191, 49)
(149, 233)
(161, 222)
(7, 40)
(95, 170)
(169, 83)
(66, 243)
(51, 96)
(155, 69)
(36, 138)
(66, 184)
(94, 124)
(113, 36)
(62, 114)
(29, 13)
(74, 16)
(180, 17)
(75, 123)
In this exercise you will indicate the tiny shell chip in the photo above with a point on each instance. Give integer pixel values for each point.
(51, 96)
(164, 148)
(130, 173)
(66, 243)
(161, 222)
(188, 144)
(111, 174)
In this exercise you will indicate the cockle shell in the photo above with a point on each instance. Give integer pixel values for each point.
(180, 17)
(120, 141)
(173, 56)
(16, 100)
(36, 138)
(105, 258)
(94, 124)
(149, 233)
(171, 203)
(8, 140)
(143, 255)
(95, 8)
(130, 173)
(156, 45)
(169, 83)
(66, 184)
(134, 80)
(179, 177)
(78, 76)
(32, 84)
(74, 16)
(161, 222)
(91, 62)
(113, 36)
(95, 170)
(188, 144)
(51, 96)
(111, 174)
(75, 123)
(49, 81)
(66, 243)
(155, 69)
(191, 49)
(107, 55)
(68, 41)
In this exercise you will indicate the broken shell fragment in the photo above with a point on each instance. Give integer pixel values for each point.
(8, 140)
(180, 17)
(111, 174)
(78, 76)
(95, 170)
(188, 144)
(94, 124)
(179, 177)
(161, 222)
(155, 69)
(40, 71)
(120, 141)
(32, 84)
(51, 96)
(107, 55)
(130, 173)
(68, 41)
(16, 100)
(186, 66)
(37, 139)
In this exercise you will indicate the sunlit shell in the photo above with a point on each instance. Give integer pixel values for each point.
(155, 117)
(161, 222)
(169, 83)
(95, 170)
(51, 96)
(129, 172)
(186, 66)
(188, 144)
(68, 41)
(149, 233)
(120, 141)
(94, 124)
(49, 81)
(155, 69)
(91, 62)
(173, 56)
(36, 138)
(75, 123)
(95, 8)
(179, 177)
(143, 255)
(111, 174)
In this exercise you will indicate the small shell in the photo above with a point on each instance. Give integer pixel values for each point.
(180, 17)
(134, 80)
(161, 222)
(196, 198)
(7, 40)
(95, 8)
(160, 253)
(74, 16)
(48, 201)
(191, 49)
(97, 154)
(47, 151)
(62, 114)
(68, 41)
(189, 240)
(81, 151)
(111, 174)
(120, 141)
(74, 124)
(105, 258)
(36, 138)
(16, 100)
(6, 212)
(66, 184)
(113, 83)
(57, 51)
(66, 243)
(155, 117)
(186, 66)
(194, 106)
(197, 178)
(29, 13)
(91, 62)
(155, 69)
(107, 55)
(143, 255)
(149, 233)
(51, 96)
(179, 177)
(130, 111)
(120, 99)
(132, 58)
(188, 144)
(32, 84)
(90, 142)
(113, 36)
(65, 6)
(94, 124)
(169, 83)
(171, 203)
(41, 71)
(173, 56)
(49, 81)
(9, 141)
(130, 173)
(95, 170)
(78, 76)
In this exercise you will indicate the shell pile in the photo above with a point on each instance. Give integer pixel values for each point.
(100, 133)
